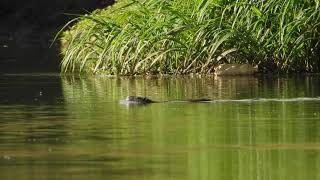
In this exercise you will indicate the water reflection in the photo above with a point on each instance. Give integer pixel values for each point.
(88, 134)
(30, 89)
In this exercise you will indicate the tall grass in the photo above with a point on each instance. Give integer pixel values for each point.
(193, 36)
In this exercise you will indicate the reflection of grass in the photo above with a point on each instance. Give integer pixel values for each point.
(180, 88)
(197, 141)
(188, 36)
(159, 88)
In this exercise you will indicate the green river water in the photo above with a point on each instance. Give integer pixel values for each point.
(257, 128)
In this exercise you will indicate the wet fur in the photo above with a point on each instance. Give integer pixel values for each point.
(144, 100)
(139, 100)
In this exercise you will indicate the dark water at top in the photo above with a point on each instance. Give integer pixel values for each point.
(54, 127)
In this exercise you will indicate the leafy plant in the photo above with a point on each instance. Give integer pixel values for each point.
(193, 36)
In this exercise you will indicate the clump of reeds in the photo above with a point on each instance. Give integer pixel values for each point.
(193, 36)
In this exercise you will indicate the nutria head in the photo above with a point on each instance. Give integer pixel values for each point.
(138, 100)
(131, 98)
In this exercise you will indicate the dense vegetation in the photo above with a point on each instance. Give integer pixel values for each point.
(193, 36)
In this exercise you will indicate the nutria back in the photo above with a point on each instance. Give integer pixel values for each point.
(143, 100)
(137, 100)
(199, 100)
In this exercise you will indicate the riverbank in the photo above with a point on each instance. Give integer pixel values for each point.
(185, 37)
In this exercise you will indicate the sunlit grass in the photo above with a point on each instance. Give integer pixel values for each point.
(192, 36)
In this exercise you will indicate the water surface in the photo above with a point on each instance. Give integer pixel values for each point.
(54, 127)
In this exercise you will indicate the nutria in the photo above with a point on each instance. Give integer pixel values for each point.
(138, 100)
(143, 100)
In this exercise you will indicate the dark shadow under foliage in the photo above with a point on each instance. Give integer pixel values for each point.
(28, 27)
